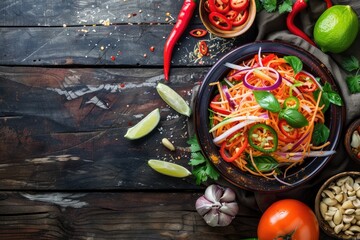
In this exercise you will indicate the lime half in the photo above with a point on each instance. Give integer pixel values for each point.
(145, 126)
(173, 99)
(169, 169)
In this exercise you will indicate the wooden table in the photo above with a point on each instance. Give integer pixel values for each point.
(74, 75)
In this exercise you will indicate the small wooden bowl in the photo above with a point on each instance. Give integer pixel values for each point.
(236, 31)
(324, 225)
(347, 141)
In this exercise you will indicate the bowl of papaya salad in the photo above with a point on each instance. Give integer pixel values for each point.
(269, 116)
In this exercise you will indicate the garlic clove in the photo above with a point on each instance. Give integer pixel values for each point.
(228, 196)
(213, 193)
(212, 218)
(203, 205)
(224, 219)
(230, 208)
(355, 139)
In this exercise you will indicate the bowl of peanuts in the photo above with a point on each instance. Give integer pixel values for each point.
(337, 206)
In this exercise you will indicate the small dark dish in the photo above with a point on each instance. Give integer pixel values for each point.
(324, 225)
(354, 126)
(298, 175)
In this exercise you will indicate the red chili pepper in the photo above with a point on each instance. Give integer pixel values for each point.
(241, 18)
(183, 20)
(236, 155)
(328, 3)
(298, 6)
(288, 131)
(203, 48)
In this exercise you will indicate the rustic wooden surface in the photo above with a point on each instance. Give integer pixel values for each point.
(74, 75)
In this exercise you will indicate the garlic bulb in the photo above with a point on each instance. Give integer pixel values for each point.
(217, 206)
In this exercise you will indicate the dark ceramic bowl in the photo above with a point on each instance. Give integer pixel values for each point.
(355, 125)
(297, 175)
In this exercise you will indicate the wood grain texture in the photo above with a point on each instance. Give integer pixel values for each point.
(63, 128)
(111, 215)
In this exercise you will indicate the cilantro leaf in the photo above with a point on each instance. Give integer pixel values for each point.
(286, 6)
(201, 167)
(351, 64)
(353, 83)
(269, 5)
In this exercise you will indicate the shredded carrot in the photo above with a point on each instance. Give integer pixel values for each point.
(246, 105)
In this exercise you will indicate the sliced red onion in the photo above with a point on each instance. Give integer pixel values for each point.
(240, 118)
(230, 131)
(259, 57)
(236, 67)
(300, 141)
(266, 88)
(297, 156)
(225, 89)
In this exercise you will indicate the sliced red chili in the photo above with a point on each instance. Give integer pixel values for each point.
(238, 151)
(241, 18)
(239, 5)
(288, 131)
(206, 6)
(220, 6)
(265, 60)
(203, 48)
(220, 21)
(231, 15)
(198, 32)
(308, 84)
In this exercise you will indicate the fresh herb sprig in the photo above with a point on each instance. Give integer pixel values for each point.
(274, 5)
(351, 64)
(202, 169)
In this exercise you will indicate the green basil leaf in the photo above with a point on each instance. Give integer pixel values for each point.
(320, 134)
(263, 163)
(323, 101)
(295, 63)
(293, 117)
(353, 83)
(267, 101)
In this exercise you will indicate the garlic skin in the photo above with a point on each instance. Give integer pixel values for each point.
(217, 206)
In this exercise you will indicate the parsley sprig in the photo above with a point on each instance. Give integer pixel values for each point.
(351, 64)
(202, 169)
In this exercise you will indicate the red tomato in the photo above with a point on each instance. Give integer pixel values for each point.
(288, 219)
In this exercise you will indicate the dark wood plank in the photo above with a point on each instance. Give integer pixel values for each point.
(64, 128)
(109, 215)
(119, 45)
(86, 12)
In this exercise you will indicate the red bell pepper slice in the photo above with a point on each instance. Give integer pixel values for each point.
(241, 18)
(239, 5)
(308, 84)
(220, 21)
(216, 107)
(237, 153)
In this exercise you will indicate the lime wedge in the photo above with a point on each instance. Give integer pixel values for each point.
(145, 126)
(169, 169)
(173, 99)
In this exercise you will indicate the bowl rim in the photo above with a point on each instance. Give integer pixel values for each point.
(347, 140)
(239, 30)
(229, 171)
(322, 223)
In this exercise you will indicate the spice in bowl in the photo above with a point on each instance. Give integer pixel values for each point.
(352, 141)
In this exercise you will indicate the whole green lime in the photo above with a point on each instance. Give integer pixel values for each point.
(336, 29)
